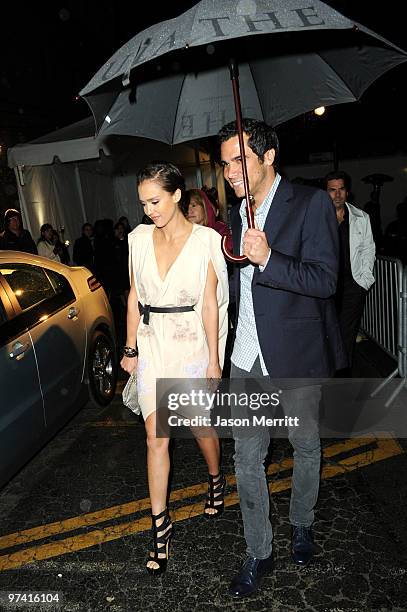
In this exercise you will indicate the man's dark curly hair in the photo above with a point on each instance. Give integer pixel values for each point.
(262, 137)
(338, 175)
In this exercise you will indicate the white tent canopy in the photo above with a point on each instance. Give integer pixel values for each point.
(69, 177)
(72, 143)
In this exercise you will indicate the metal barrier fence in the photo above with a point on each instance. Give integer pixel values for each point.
(382, 314)
(385, 317)
(403, 326)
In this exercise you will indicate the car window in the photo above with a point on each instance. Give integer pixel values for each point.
(10, 327)
(40, 292)
(60, 284)
(29, 284)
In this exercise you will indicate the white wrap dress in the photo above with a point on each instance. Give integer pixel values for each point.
(174, 345)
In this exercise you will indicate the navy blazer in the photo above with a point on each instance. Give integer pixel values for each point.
(294, 311)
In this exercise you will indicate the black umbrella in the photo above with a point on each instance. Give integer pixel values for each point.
(171, 81)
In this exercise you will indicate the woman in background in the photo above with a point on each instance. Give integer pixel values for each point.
(202, 212)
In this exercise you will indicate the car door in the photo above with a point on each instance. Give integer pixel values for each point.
(58, 333)
(22, 421)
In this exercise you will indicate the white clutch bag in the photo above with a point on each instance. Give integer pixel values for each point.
(129, 394)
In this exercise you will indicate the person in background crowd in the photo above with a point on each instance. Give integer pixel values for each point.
(286, 329)
(126, 224)
(395, 237)
(357, 257)
(83, 249)
(46, 244)
(104, 259)
(202, 212)
(15, 237)
(61, 248)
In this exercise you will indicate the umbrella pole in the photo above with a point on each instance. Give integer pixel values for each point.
(234, 76)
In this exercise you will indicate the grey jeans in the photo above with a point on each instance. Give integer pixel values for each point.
(250, 453)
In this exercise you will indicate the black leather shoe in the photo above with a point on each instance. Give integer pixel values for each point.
(302, 545)
(247, 580)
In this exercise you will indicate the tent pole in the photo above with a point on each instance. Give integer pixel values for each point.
(80, 192)
(213, 165)
(21, 197)
(198, 171)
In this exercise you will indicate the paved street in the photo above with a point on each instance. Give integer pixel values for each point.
(76, 521)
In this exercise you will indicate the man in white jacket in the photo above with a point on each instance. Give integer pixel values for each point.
(357, 259)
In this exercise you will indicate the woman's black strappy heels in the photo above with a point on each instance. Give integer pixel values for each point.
(215, 499)
(162, 535)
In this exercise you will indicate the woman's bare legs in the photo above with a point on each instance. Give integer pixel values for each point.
(158, 468)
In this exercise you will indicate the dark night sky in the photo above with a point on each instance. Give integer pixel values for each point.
(51, 50)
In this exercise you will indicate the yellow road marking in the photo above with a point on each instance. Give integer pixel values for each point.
(119, 511)
(329, 451)
(100, 516)
(385, 448)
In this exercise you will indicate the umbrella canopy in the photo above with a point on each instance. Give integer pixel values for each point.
(171, 82)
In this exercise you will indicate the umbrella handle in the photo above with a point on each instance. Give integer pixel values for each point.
(234, 77)
(230, 256)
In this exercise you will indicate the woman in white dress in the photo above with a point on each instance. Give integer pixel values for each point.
(176, 328)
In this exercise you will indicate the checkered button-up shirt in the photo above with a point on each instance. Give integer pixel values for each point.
(247, 348)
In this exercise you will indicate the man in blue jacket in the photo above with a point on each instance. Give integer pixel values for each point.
(286, 328)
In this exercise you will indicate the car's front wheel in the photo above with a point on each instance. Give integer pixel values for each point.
(102, 369)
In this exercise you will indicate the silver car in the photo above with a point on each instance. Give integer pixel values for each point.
(57, 348)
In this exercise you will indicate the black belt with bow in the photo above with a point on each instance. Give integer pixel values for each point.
(146, 309)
